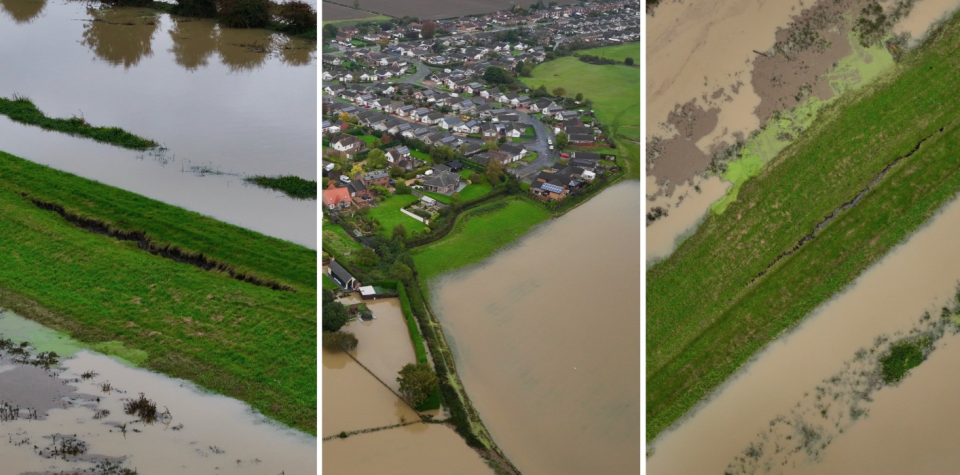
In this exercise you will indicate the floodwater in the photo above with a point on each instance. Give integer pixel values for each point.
(682, 219)
(907, 427)
(385, 345)
(226, 103)
(411, 450)
(546, 335)
(205, 433)
(924, 14)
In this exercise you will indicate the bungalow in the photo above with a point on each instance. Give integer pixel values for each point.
(432, 118)
(472, 149)
(581, 138)
(404, 110)
(447, 123)
(329, 128)
(445, 182)
(489, 131)
(418, 114)
(346, 144)
(541, 104)
(396, 154)
(515, 152)
(564, 115)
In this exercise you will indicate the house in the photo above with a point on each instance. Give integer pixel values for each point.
(513, 151)
(447, 123)
(445, 182)
(432, 118)
(358, 190)
(541, 105)
(330, 128)
(455, 165)
(343, 278)
(489, 131)
(472, 149)
(346, 144)
(581, 138)
(376, 177)
(396, 154)
(336, 198)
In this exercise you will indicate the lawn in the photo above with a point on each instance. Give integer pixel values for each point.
(328, 283)
(618, 52)
(730, 289)
(615, 92)
(337, 240)
(368, 139)
(478, 233)
(229, 336)
(531, 157)
(470, 192)
(420, 155)
(389, 215)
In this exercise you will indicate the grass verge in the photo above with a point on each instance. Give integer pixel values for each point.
(228, 336)
(21, 109)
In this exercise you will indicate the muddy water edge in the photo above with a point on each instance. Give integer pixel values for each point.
(546, 339)
(71, 416)
(252, 93)
(798, 389)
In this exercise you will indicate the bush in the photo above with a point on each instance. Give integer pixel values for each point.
(244, 13)
(297, 17)
(196, 8)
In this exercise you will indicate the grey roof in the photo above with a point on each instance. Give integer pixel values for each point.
(442, 179)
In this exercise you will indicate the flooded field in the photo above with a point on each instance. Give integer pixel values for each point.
(901, 429)
(73, 418)
(546, 338)
(225, 103)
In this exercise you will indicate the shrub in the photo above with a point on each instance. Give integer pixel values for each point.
(297, 17)
(244, 13)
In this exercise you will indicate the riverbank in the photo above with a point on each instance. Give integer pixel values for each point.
(227, 308)
(771, 258)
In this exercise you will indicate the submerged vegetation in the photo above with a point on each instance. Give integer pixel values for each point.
(292, 186)
(879, 162)
(246, 341)
(21, 109)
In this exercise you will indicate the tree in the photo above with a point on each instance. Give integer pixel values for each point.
(494, 170)
(401, 272)
(428, 30)
(356, 4)
(330, 31)
(559, 92)
(401, 188)
(335, 316)
(455, 197)
(496, 75)
(527, 71)
(356, 170)
(339, 341)
(400, 232)
(519, 66)
(579, 96)
(376, 159)
(540, 91)
(385, 139)
(417, 381)
(628, 61)
(562, 140)
(366, 257)
(442, 154)
(476, 178)
(345, 116)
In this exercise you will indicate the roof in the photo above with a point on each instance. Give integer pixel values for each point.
(340, 273)
(335, 196)
(552, 188)
(443, 179)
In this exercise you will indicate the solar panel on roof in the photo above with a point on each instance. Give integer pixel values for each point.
(551, 188)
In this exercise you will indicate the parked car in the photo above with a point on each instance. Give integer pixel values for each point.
(564, 155)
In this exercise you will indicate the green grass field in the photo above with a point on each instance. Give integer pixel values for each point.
(478, 233)
(714, 303)
(618, 52)
(615, 92)
(336, 239)
(389, 215)
(228, 336)
(471, 192)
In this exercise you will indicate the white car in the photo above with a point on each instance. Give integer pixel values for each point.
(551, 147)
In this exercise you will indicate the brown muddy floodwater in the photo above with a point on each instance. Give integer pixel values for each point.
(354, 400)
(683, 214)
(906, 428)
(546, 335)
(226, 103)
(204, 433)
(924, 14)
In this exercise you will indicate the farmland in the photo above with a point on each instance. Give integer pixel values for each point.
(429, 9)
(342, 15)
(879, 161)
(237, 337)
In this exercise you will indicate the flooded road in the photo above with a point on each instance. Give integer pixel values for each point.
(79, 422)
(546, 339)
(226, 103)
(905, 428)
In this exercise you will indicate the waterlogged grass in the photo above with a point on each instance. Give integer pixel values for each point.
(861, 67)
(479, 233)
(709, 309)
(228, 336)
(21, 109)
(292, 186)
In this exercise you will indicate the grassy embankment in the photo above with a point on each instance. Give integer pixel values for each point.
(229, 336)
(716, 301)
(615, 92)
(292, 186)
(21, 109)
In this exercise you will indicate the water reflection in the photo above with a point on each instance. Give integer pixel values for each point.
(120, 37)
(193, 43)
(23, 11)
